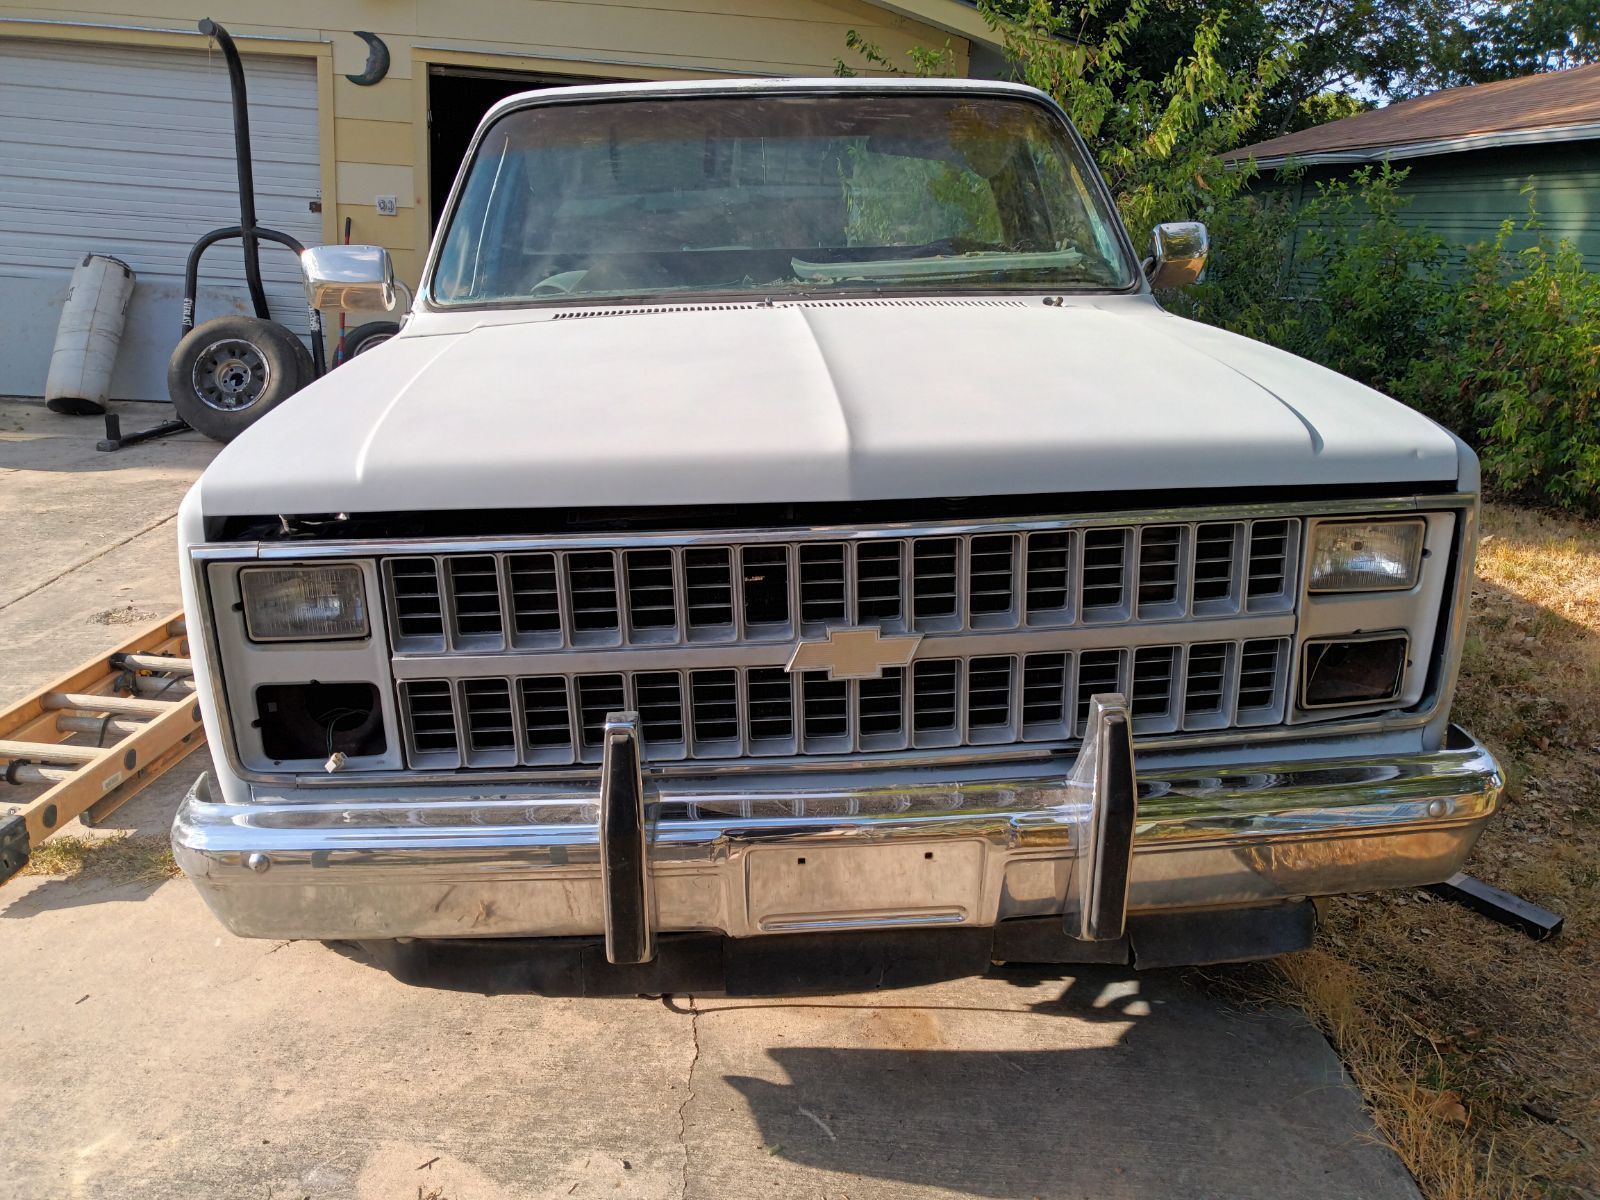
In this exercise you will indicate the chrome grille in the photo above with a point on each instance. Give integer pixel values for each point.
(674, 595)
(759, 711)
(515, 657)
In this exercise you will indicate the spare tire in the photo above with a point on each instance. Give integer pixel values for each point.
(364, 337)
(228, 372)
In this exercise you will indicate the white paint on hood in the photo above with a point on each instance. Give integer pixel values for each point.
(821, 401)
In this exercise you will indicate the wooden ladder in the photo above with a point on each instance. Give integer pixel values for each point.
(95, 737)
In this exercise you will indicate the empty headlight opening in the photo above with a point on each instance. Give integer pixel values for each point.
(1360, 669)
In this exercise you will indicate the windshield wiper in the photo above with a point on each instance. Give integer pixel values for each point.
(986, 262)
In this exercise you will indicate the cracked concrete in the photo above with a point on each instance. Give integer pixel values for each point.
(688, 1097)
(148, 1053)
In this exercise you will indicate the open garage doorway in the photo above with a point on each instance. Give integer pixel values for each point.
(457, 99)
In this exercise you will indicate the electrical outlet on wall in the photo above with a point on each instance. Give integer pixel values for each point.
(388, 206)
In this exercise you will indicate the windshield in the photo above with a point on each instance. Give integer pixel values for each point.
(774, 195)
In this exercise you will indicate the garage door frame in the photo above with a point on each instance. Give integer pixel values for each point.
(321, 51)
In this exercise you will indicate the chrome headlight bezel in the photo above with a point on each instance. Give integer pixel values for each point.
(268, 602)
(1393, 548)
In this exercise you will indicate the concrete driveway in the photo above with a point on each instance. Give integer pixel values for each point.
(146, 1053)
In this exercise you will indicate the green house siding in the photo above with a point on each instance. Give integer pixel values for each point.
(1464, 197)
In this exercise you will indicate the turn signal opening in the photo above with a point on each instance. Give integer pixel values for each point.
(1353, 671)
(316, 720)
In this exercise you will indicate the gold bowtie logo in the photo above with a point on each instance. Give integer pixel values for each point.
(862, 653)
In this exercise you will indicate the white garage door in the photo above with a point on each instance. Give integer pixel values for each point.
(129, 152)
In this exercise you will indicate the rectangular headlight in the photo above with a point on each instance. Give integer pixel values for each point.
(1365, 556)
(304, 604)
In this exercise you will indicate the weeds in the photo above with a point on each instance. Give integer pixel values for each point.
(121, 858)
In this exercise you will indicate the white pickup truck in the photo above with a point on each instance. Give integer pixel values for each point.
(786, 522)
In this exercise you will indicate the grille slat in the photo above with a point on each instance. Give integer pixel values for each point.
(1261, 680)
(708, 590)
(475, 598)
(991, 580)
(825, 706)
(1206, 685)
(416, 601)
(598, 697)
(658, 697)
(1269, 571)
(1160, 569)
(880, 710)
(1049, 577)
(535, 599)
(1098, 671)
(770, 711)
(546, 719)
(652, 594)
(592, 594)
(879, 571)
(712, 598)
(822, 583)
(935, 702)
(1044, 696)
(935, 582)
(430, 715)
(1216, 551)
(1105, 573)
(714, 712)
(1151, 697)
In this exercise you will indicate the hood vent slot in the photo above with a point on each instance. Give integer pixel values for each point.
(658, 310)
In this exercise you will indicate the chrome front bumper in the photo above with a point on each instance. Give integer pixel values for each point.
(746, 855)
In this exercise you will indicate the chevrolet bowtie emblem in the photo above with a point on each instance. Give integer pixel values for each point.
(862, 653)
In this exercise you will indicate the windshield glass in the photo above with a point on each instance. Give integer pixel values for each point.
(776, 195)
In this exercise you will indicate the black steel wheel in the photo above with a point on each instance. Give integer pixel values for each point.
(364, 337)
(228, 372)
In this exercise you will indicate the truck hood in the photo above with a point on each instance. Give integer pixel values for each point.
(814, 401)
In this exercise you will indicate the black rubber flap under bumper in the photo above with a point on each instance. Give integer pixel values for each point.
(825, 963)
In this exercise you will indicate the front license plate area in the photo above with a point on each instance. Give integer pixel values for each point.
(864, 887)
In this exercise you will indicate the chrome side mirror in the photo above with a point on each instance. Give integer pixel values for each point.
(1177, 254)
(349, 277)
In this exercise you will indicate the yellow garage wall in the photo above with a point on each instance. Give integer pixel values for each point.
(375, 138)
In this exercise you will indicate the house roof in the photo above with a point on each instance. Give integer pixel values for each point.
(953, 16)
(1556, 106)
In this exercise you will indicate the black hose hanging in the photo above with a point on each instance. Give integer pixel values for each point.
(241, 154)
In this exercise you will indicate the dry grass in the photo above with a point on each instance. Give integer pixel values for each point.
(1478, 1050)
(120, 858)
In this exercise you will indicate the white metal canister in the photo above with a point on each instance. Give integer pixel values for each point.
(88, 335)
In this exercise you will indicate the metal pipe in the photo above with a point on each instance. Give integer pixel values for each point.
(241, 154)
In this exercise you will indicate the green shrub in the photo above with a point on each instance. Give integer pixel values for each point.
(1505, 351)
(1374, 288)
(1517, 362)
(1247, 286)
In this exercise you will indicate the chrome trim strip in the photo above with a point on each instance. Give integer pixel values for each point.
(380, 547)
(982, 846)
